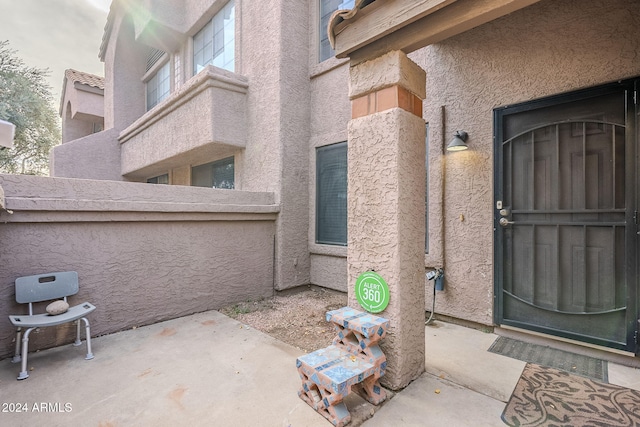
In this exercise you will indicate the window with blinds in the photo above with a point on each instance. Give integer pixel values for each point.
(331, 194)
(152, 57)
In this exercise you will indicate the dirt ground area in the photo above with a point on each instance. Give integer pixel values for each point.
(296, 317)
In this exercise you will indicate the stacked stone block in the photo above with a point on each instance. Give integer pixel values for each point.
(354, 362)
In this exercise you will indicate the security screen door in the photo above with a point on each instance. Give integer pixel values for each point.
(565, 216)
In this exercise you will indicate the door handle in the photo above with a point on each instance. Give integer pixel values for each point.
(504, 222)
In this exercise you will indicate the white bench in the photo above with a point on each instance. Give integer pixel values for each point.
(47, 287)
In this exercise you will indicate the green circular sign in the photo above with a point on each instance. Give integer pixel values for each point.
(372, 292)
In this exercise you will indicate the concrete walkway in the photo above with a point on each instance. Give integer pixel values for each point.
(209, 370)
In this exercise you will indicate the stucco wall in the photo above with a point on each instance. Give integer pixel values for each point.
(81, 109)
(293, 268)
(275, 157)
(329, 271)
(259, 26)
(545, 49)
(125, 62)
(331, 112)
(73, 129)
(96, 156)
(203, 120)
(144, 253)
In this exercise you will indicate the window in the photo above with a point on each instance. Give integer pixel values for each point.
(327, 7)
(159, 86)
(219, 174)
(331, 194)
(215, 43)
(161, 179)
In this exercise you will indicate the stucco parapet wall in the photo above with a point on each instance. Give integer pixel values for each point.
(203, 120)
(209, 77)
(43, 199)
(391, 69)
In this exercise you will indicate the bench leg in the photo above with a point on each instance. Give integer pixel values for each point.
(25, 351)
(77, 341)
(87, 335)
(16, 356)
(327, 404)
(372, 391)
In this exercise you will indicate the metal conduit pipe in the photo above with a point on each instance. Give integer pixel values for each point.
(437, 276)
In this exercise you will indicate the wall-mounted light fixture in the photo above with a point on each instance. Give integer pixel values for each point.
(459, 141)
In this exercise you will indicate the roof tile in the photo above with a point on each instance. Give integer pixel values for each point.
(84, 78)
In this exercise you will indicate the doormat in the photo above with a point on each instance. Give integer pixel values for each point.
(542, 355)
(552, 397)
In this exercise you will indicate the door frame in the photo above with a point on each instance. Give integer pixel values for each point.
(631, 87)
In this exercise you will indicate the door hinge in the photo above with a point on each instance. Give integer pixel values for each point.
(635, 217)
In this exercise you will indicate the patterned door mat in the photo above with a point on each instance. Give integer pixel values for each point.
(542, 355)
(551, 397)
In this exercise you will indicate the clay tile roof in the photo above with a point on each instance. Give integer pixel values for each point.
(343, 15)
(84, 78)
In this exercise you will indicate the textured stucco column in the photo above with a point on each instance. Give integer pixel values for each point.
(386, 193)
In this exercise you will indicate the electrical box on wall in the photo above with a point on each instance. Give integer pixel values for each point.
(438, 276)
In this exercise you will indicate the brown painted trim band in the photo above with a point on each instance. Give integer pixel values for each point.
(385, 99)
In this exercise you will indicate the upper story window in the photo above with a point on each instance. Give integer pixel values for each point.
(219, 174)
(215, 43)
(327, 7)
(331, 194)
(159, 86)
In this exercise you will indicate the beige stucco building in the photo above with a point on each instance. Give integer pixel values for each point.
(248, 96)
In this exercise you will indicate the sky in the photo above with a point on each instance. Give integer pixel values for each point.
(55, 34)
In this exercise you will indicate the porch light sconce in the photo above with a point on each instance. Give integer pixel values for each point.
(459, 141)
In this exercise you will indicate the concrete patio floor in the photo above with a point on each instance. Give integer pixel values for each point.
(209, 370)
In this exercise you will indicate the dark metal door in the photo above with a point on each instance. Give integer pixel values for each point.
(565, 222)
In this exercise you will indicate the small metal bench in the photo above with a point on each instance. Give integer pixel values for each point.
(354, 360)
(47, 287)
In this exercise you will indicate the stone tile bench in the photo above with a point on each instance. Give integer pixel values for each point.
(354, 362)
